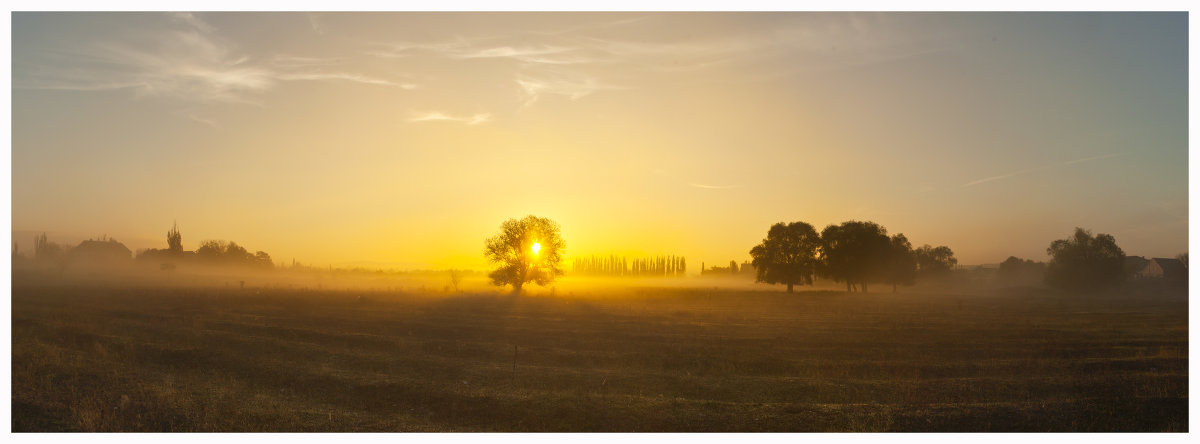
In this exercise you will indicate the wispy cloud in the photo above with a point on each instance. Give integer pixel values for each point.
(591, 57)
(1089, 159)
(186, 61)
(436, 116)
(190, 20)
(205, 121)
(513, 52)
(1000, 177)
(462, 48)
(572, 87)
(314, 21)
(356, 78)
(1043, 167)
(290, 61)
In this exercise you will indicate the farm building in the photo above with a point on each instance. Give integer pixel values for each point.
(1163, 268)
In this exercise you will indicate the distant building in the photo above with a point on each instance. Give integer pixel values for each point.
(745, 270)
(1163, 268)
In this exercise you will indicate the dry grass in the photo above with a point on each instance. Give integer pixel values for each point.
(139, 359)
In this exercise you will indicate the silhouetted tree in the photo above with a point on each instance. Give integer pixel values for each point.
(174, 240)
(933, 261)
(513, 249)
(455, 278)
(46, 251)
(263, 260)
(1015, 270)
(855, 252)
(902, 263)
(216, 252)
(788, 255)
(1085, 262)
(212, 251)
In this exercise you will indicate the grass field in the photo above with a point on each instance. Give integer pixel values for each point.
(633, 360)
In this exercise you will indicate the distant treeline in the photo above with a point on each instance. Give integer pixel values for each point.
(745, 270)
(855, 252)
(613, 265)
(106, 251)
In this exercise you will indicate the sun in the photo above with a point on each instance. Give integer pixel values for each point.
(536, 247)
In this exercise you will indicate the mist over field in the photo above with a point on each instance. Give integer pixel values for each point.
(599, 222)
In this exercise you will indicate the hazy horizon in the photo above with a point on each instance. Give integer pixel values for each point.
(405, 139)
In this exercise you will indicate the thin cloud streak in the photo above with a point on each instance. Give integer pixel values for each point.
(1030, 170)
(1089, 159)
(207, 122)
(533, 88)
(288, 61)
(314, 21)
(1002, 176)
(356, 78)
(435, 116)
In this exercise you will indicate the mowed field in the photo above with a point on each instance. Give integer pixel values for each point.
(627, 360)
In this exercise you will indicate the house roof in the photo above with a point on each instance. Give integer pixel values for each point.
(1171, 267)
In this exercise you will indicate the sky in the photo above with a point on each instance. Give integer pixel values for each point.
(403, 140)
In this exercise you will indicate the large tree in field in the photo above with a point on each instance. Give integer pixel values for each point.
(901, 263)
(174, 241)
(528, 250)
(788, 255)
(855, 253)
(935, 261)
(1085, 262)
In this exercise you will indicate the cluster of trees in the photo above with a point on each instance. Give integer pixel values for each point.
(858, 253)
(106, 250)
(1085, 262)
(620, 266)
(1015, 270)
(855, 252)
(732, 270)
(230, 253)
(1081, 262)
(210, 252)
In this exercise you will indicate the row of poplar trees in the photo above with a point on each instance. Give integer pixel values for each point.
(620, 266)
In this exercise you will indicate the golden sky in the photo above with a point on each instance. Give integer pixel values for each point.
(404, 139)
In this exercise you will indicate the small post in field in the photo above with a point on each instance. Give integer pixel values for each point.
(514, 370)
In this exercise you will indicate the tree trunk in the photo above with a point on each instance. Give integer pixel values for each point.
(517, 287)
(864, 287)
(894, 287)
(789, 287)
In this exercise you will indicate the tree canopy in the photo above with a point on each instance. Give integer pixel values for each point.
(1017, 271)
(520, 262)
(855, 253)
(1084, 262)
(788, 255)
(217, 252)
(901, 266)
(935, 261)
